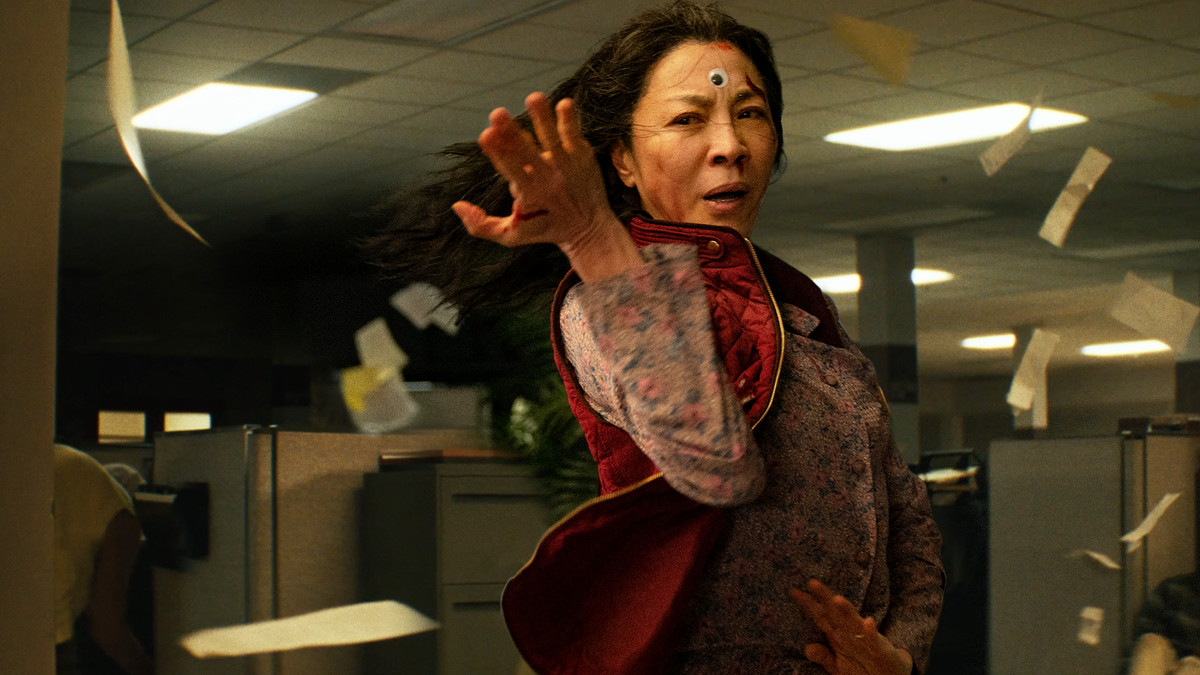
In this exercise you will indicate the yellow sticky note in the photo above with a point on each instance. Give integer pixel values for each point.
(888, 50)
(360, 381)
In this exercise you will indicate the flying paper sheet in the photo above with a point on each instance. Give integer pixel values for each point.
(1133, 538)
(348, 625)
(1096, 556)
(377, 348)
(939, 476)
(1155, 313)
(122, 103)
(1030, 378)
(1079, 186)
(886, 49)
(422, 304)
(1175, 100)
(386, 407)
(1091, 620)
(1008, 145)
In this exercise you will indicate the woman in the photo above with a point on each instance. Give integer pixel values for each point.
(756, 517)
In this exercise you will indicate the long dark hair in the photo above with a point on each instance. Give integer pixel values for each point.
(423, 239)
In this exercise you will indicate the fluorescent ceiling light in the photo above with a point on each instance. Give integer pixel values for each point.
(219, 108)
(1125, 348)
(953, 128)
(999, 341)
(850, 283)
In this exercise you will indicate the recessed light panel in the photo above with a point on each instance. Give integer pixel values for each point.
(219, 108)
(1131, 348)
(953, 128)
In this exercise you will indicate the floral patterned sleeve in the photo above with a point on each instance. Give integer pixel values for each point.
(643, 350)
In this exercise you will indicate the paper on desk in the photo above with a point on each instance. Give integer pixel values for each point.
(886, 49)
(351, 624)
(1176, 100)
(1133, 538)
(422, 304)
(377, 348)
(1155, 313)
(1091, 620)
(122, 102)
(1008, 145)
(1058, 221)
(1097, 556)
(1030, 378)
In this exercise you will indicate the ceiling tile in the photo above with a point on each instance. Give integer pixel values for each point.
(83, 58)
(944, 66)
(599, 16)
(805, 152)
(90, 29)
(829, 89)
(1163, 21)
(364, 113)
(198, 39)
(285, 15)
(166, 9)
(407, 90)
(1051, 43)
(486, 69)
(815, 51)
(913, 104)
(1107, 103)
(1023, 86)
(172, 68)
(561, 45)
(954, 21)
(1140, 64)
(1071, 8)
(349, 54)
(777, 26)
(820, 123)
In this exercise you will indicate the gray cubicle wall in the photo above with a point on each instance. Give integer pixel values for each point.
(1051, 498)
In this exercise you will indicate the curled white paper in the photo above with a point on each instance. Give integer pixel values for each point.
(1058, 221)
(1155, 313)
(1133, 538)
(1091, 620)
(1030, 377)
(1097, 556)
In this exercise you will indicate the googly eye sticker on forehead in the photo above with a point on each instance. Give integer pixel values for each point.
(718, 77)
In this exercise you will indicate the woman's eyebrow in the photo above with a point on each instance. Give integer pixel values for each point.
(700, 100)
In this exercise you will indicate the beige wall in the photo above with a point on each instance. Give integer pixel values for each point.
(33, 68)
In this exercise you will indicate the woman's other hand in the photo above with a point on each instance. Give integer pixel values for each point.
(557, 188)
(853, 645)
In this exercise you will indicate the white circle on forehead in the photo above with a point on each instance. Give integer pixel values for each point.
(718, 77)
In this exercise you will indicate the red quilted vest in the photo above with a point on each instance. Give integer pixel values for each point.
(608, 584)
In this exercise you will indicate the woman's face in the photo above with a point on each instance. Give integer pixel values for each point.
(703, 143)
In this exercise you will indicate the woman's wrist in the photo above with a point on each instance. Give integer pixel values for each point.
(602, 251)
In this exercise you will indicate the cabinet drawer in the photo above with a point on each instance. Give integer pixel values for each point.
(474, 638)
(489, 526)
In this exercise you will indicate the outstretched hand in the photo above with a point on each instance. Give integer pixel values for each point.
(853, 645)
(556, 184)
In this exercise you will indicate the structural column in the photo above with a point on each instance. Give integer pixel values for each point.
(1030, 423)
(33, 56)
(887, 327)
(1186, 286)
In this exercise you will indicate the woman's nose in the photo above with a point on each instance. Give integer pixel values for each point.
(726, 145)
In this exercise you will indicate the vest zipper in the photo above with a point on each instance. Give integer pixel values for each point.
(779, 335)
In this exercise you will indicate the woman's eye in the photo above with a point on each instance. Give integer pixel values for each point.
(752, 113)
(684, 119)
